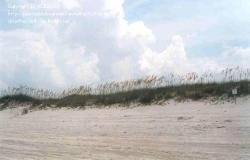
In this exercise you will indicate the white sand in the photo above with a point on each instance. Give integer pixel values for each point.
(185, 131)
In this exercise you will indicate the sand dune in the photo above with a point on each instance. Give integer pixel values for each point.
(174, 131)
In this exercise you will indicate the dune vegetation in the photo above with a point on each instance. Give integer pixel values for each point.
(151, 89)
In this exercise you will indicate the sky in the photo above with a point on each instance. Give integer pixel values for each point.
(96, 41)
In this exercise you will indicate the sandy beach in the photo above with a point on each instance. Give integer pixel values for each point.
(173, 131)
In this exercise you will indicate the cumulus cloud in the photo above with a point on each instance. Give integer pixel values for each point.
(124, 69)
(93, 49)
(2, 85)
(80, 67)
(235, 56)
(172, 59)
(112, 38)
(175, 59)
(69, 4)
(27, 59)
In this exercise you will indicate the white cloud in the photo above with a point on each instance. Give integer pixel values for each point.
(95, 49)
(124, 69)
(175, 59)
(172, 59)
(139, 31)
(236, 56)
(2, 85)
(69, 4)
(82, 68)
(26, 58)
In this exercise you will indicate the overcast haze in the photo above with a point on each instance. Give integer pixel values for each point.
(118, 40)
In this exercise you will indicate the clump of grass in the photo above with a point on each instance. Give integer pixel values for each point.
(20, 98)
(146, 98)
(25, 111)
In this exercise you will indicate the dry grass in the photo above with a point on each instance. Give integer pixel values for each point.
(146, 90)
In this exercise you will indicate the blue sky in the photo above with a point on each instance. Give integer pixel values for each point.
(215, 23)
(123, 39)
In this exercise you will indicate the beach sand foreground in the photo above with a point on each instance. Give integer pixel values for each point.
(174, 131)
